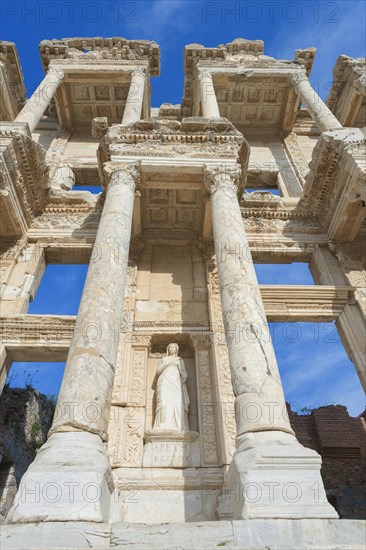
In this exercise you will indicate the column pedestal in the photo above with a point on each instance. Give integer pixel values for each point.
(70, 478)
(273, 476)
(269, 464)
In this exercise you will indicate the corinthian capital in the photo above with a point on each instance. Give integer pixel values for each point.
(216, 176)
(56, 71)
(204, 74)
(298, 76)
(120, 173)
(139, 71)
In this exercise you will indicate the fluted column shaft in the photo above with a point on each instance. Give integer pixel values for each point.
(210, 107)
(41, 99)
(260, 402)
(321, 114)
(133, 107)
(83, 403)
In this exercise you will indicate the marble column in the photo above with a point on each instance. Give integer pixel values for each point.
(321, 114)
(90, 366)
(75, 452)
(41, 99)
(268, 458)
(133, 107)
(255, 375)
(210, 108)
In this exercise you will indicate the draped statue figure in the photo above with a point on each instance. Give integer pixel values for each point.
(172, 399)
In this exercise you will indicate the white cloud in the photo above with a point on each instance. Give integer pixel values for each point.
(343, 33)
(163, 18)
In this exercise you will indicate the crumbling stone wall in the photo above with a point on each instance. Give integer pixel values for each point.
(341, 441)
(25, 418)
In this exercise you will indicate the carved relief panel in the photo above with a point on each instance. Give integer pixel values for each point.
(221, 372)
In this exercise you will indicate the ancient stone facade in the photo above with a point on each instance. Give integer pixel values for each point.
(341, 441)
(25, 418)
(170, 243)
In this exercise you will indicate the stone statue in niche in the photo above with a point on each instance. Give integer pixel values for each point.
(172, 399)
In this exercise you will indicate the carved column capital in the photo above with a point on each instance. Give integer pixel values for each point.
(57, 72)
(141, 340)
(203, 74)
(298, 76)
(139, 71)
(217, 176)
(120, 173)
(201, 341)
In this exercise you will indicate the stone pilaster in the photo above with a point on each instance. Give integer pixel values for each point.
(133, 107)
(41, 99)
(75, 452)
(321, 114)
(268, 458)
(208, 406)
(210, 108)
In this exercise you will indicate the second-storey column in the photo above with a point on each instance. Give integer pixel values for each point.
(41, 99)
(321, 114)
(133, 107)
(210, 107)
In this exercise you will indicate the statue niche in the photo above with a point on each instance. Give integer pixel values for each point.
(170, 443)
(172, 400)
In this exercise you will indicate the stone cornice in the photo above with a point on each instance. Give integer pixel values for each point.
(104, 50)
(346, 71)
(23, 177)
(335, 185)
(15, 81)
(197, 139)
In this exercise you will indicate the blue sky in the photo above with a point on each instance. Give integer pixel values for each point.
(314, 367)
(334, 28)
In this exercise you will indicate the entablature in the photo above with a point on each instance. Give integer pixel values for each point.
(23, 174)
(97, 76)
(347, 97)
(335, 188)
(42, 337)
(12, 88)
(251, 88)
(100, 49)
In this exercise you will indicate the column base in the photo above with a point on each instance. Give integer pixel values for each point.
(273, 476)
(69, 480)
